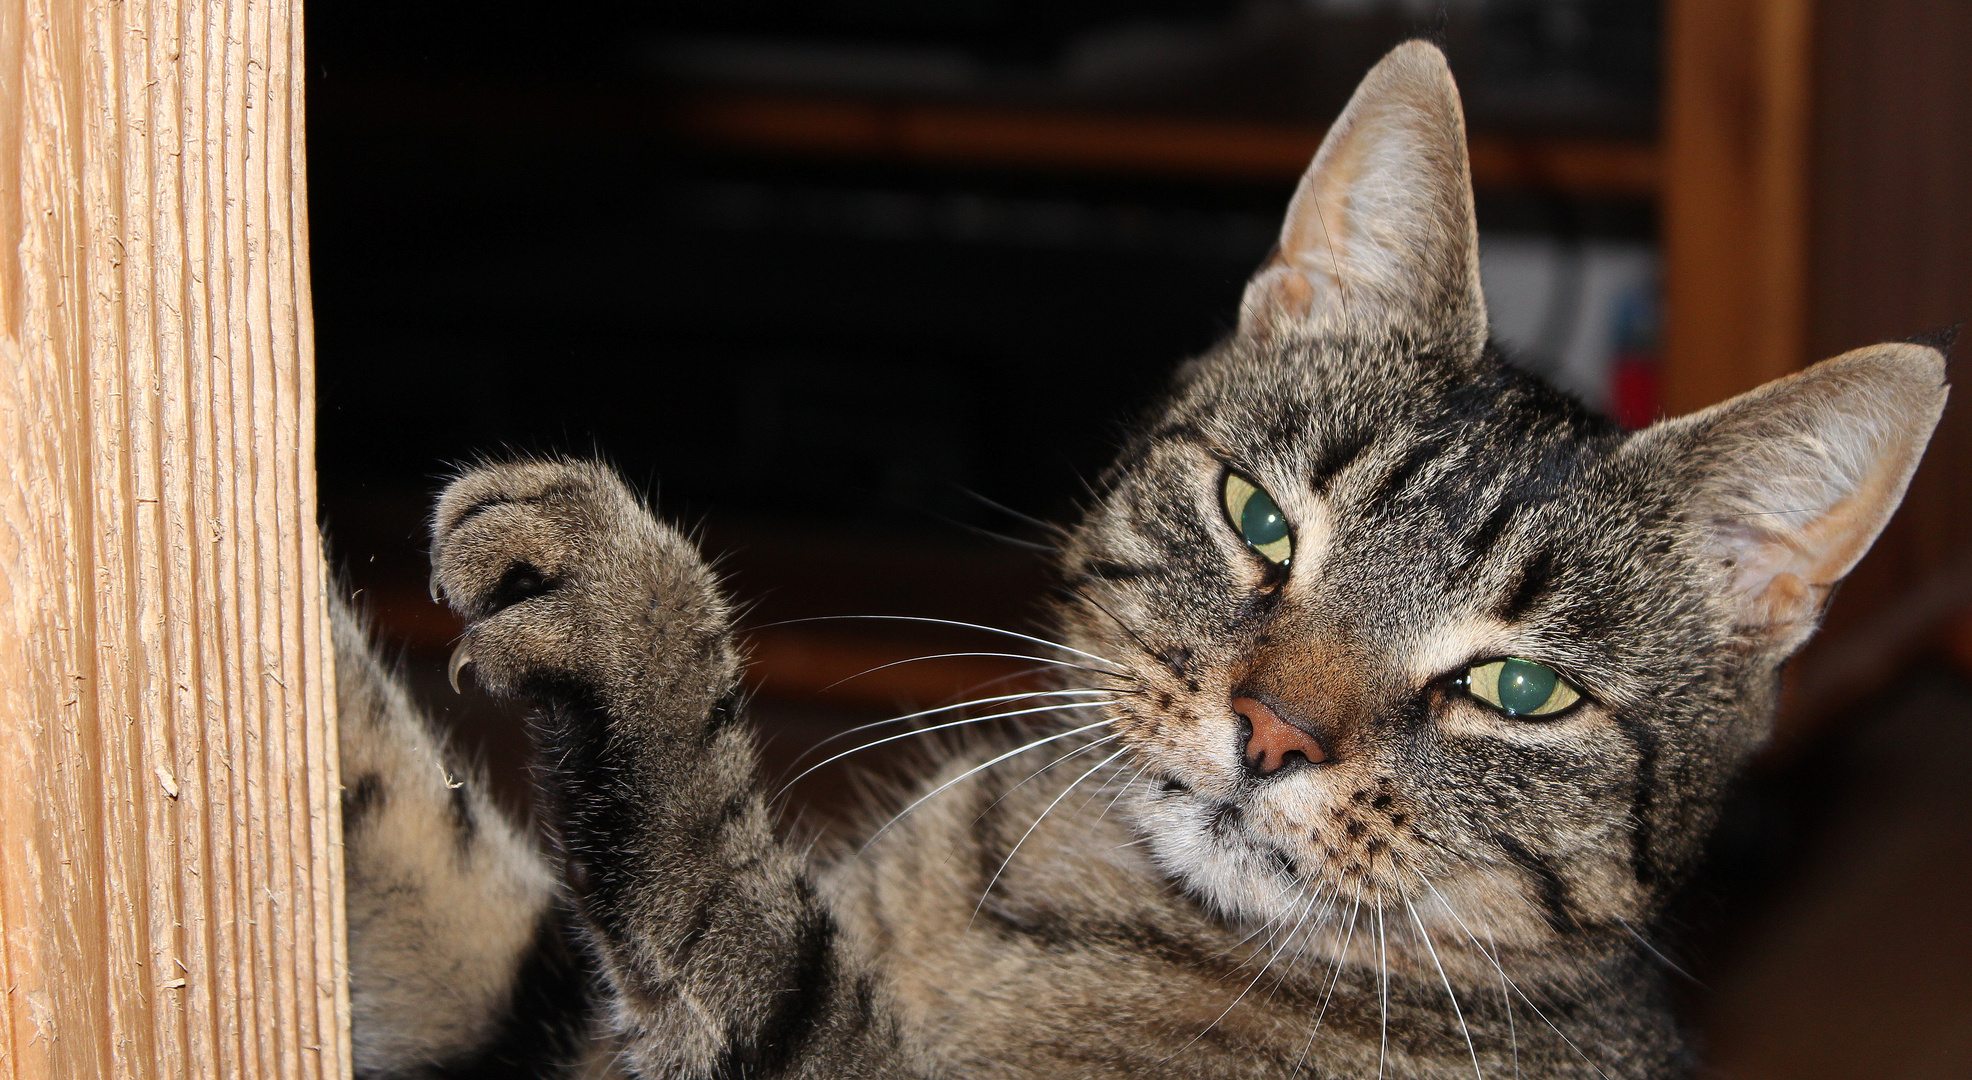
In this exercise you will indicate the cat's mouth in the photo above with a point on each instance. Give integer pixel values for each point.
(1250, 846)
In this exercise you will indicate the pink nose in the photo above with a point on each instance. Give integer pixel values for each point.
(1273, 738)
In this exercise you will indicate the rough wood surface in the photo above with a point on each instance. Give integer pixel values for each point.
(170, 877)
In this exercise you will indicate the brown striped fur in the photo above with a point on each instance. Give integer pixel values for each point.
(1449, 891)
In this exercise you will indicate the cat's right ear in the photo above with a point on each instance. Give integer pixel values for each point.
(1380, 234)
(1793, 481)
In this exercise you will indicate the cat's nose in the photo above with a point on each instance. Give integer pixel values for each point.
(1274, 742)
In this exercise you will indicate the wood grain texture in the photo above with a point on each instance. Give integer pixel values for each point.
(1737, 131)
(170, 876)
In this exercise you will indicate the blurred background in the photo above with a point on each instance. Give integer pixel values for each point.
(864, 288)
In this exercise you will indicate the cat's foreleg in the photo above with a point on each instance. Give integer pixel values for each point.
(462, 961)
(720, 957)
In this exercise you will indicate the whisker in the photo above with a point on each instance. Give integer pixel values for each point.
(1004, 863)
(1665, 960)
(1275, 936)
(1043, 642)
(1335, 977)
(1383, 983)
(1055, 707)
(1264, 927)
(1025, 672)
(1453, 912)
(959, 655)
(990, 534)
(1015, 752)
(1113, 617)
(1307, 905)
(1270, 927)
(1301, 949)
(1039, 771)
(1030, 519)
(1506, 999)
(1121, 790)
(993, 700)
(1446, 979)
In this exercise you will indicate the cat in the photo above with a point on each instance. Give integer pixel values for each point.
(1397, 694)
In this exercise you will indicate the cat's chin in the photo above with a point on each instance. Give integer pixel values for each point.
(1204, 845)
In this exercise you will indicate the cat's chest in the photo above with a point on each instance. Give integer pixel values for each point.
(1081, 959)
(1028, 933)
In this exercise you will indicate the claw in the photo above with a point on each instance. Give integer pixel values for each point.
(437, 594)
(460, 658)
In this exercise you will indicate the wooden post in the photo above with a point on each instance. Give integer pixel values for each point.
(170, 875)
(1737, 147)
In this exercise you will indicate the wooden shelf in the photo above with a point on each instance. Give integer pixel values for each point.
(951, 134)
(1166, 146)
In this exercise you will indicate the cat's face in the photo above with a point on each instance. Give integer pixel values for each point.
(1442, 515)
(1402, 628)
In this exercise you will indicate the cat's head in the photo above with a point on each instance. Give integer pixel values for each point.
(1402, 625)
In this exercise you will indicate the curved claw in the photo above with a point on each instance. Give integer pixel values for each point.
(437, 594)
(460, 658)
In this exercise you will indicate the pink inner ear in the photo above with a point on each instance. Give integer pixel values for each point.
(1800, 475)
(1767, 575)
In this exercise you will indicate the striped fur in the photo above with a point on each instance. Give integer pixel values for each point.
(1453, 891)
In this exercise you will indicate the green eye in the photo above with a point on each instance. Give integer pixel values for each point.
(1520, 687)
(1258, 519)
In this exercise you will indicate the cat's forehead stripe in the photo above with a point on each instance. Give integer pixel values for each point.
(1402, 473)
(1533, 582)
(1480, 541)
(1336, 456)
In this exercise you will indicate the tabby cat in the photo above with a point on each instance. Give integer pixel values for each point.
(1397, 694)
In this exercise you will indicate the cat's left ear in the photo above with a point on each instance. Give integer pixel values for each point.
(1380, 235)
(1793, 481)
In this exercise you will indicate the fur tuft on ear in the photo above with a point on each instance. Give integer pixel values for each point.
(1794, 480)
(1380, 234)
(1942, 339)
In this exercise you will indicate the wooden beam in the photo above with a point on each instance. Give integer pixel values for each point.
(170, 877)
(1892, 257)
(1738, 98)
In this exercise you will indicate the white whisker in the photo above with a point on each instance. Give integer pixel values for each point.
(1276, 936)
(1665, 960)
(1004, 863)
(996, 699)
(1453, 912)
(941, 727)
(1446, 979)
(1335, 977)
(962, 655)
(1043, 642)
(1023, 780)
(1383, 985)
(1301, 946)
(1506, 999)
(1121, 791)
(1015, 752)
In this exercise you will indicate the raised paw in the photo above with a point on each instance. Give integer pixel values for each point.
(571, 588)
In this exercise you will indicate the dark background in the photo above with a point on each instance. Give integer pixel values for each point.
(835, 358)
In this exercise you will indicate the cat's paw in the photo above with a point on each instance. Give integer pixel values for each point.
(570, 587)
